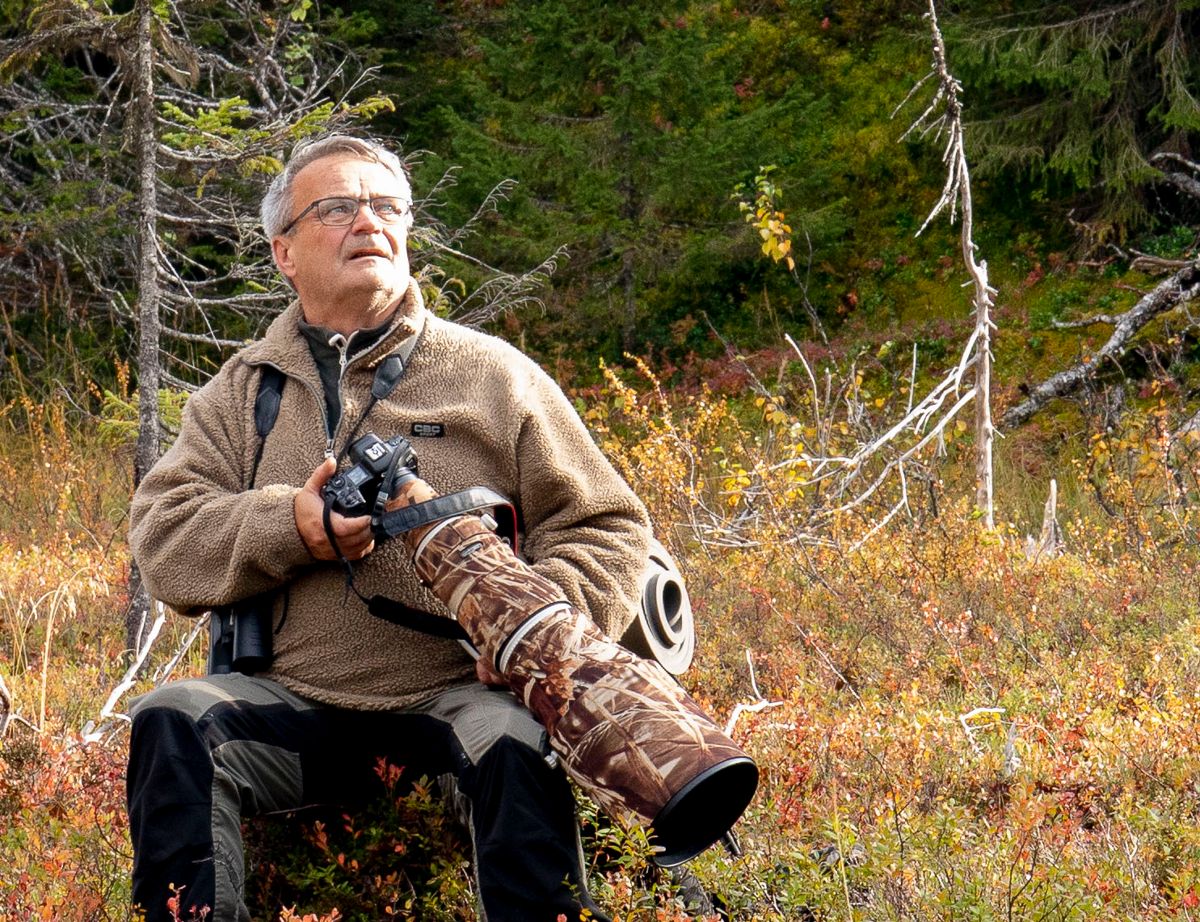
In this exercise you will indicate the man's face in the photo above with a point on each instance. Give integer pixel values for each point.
(361, 266)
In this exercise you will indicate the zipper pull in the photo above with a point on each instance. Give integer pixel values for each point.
(342, 345)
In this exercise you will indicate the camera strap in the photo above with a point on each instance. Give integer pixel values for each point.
(391, 610)
(398, 521)
(415, 619)
(474, 499)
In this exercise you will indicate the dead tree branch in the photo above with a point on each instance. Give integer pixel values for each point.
(96, 730)
(1187, 183)
(1169, 294)
(1110, 319)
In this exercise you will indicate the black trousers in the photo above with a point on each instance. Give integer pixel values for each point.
(206, 752)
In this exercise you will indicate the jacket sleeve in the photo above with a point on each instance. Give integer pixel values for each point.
(200, 538)
(585, 530)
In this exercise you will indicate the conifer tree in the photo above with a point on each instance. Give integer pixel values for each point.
(628, 128)
(1083, 96)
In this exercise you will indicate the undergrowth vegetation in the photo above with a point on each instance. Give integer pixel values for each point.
(947, 727)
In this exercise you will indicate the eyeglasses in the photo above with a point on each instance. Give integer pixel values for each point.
(340, 211)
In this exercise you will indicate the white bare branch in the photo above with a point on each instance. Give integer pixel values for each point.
(759, 704)
(95, 730)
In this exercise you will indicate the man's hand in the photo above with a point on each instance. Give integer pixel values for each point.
(487, 675)
(353, 536)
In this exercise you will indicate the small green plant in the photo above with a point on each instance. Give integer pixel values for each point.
(402, 855)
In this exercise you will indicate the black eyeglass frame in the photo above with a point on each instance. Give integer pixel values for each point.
(401, 210)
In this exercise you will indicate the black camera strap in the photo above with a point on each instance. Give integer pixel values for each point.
(398, 521)
(415, 619)
(474, 499)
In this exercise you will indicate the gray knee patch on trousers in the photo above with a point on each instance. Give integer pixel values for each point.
(479, 716)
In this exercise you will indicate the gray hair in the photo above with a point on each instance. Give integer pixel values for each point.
(277, 203)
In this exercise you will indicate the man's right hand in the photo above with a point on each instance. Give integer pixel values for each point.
(353, 536)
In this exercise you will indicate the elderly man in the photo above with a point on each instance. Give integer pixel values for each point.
(227, 515)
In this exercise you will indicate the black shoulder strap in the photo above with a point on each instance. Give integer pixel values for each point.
(266, 409)
(270, 395)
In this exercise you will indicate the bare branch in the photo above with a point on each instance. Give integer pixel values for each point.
(1109, 319)
(957, 192)
(759, 704)
(1179, 289)
(95, 730)
(1188, 184)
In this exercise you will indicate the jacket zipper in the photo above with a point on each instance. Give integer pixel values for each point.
(342, 345)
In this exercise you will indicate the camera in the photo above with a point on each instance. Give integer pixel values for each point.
(356, 490)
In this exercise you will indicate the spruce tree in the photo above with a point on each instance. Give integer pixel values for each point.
(1082, 96)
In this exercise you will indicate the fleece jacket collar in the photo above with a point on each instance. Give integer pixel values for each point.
(286, 347)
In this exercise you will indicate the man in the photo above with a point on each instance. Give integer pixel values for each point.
(225, 516)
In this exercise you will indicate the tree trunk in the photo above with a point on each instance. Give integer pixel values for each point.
(959, 179)
(149, 370)
(985, 432)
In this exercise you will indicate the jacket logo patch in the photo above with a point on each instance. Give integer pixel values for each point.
(428, 430)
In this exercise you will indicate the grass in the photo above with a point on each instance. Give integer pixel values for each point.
(956, 732)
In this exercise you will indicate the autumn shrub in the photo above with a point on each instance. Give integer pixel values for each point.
(64, 848)
(946, 728)
(995, 743)
(405, 855)
(402, 855)
(950, 728)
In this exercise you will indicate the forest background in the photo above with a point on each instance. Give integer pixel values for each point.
(702, 219)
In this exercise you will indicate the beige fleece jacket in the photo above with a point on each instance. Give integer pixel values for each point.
(201, 538)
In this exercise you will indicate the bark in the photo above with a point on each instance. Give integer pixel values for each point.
(147, 262)
(1049, 542)
(1180, 288)
(1184, 183)
(149, 371)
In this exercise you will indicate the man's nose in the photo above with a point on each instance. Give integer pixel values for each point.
(366, 221)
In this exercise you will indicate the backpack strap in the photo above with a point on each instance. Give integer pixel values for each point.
(266, 409)
(224, 620)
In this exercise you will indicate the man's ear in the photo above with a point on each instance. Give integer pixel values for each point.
(281, 249)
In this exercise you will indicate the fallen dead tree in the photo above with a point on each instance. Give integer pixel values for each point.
(1169, 294)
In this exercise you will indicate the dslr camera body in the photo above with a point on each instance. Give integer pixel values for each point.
(365, 486)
